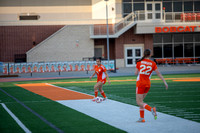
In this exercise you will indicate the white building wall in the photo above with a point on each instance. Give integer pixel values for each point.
(99, 9)
(71, 43)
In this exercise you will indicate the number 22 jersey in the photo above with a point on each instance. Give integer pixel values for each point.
(145, 67)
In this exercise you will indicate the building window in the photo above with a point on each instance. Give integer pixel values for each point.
(138, 6)
(197, 49)
(127, 0)
(167, 38)
(177, 7)
(157, 38)
(188, 50)
(127, 7)
(138, 0)
(130, 61)
(188, 6)
(188, 37)
(197, 37)
(176, 45)
(157, 51)
(168, 6)
(178, 50)
(178, 37)
(196, 5)
(167, 50)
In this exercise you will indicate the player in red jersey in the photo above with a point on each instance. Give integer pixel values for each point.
(144, 69)
(100, 70)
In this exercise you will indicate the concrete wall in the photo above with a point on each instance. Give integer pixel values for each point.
(71, 43)
(48, 10)
(114, 10)
(63, 12)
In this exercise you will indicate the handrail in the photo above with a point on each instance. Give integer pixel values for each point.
(100, 29)
(141, 16)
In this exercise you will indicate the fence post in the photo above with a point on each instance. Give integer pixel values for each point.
(115, 70)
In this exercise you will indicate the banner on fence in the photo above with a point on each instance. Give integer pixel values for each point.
(5, 68)
(16, 68)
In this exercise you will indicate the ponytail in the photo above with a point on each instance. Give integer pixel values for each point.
(147, 53)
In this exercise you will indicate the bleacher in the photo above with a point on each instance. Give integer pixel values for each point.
(176, 61)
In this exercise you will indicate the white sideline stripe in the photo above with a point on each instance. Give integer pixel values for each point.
(16, 119)
(124, 117)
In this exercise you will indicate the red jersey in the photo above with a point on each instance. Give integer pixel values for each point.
(145, 67)
(100, 71)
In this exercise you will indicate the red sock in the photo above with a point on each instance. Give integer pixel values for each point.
(147, 107)
(96, 93)
(141, 113)
(103, 94)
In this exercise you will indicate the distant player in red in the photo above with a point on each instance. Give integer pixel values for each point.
(144, 69)
(100, 70)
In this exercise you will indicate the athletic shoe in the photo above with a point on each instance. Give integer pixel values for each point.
(141, 120)
(94, 99)
(105, 99)
(153, 110)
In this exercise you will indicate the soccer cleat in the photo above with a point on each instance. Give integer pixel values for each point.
(94, 99)
(153, 110)
(105, 99)
(141, 120)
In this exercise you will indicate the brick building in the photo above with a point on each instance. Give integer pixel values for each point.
(66, 30)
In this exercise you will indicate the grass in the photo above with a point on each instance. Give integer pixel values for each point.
(181, 100)
(61, 116)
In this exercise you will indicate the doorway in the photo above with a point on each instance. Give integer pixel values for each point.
(99, 51)
(132, 54)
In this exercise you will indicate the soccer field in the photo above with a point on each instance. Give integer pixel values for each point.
(182, 99)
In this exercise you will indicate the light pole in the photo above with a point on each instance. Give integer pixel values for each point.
(108, 55)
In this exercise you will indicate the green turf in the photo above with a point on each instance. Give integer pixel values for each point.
(182, 100)
(61, 116)
(6, 122)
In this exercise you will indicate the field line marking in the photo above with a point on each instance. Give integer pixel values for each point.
(36, 114)
(16, 119)
(69, 89)
(126, 80)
